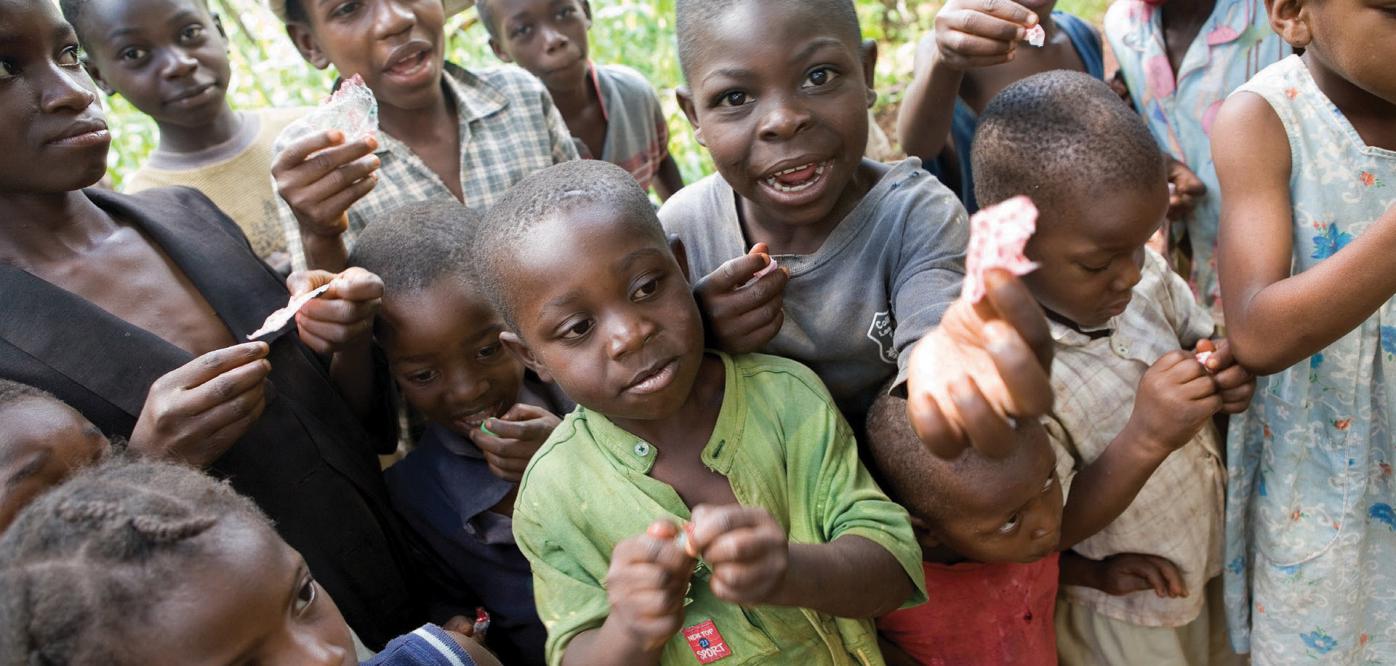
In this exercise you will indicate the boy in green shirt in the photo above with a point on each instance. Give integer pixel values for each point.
(790, 548)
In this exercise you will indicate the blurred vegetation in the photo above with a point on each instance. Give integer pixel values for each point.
(267, 70)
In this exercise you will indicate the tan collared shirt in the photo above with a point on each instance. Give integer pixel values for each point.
(1178, 513)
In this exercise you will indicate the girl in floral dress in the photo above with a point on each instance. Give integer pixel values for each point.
(1306, 156)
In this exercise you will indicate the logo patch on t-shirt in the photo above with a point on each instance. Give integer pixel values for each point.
(881, 332)
(706, 642)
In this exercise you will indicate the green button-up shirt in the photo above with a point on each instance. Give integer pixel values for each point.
(782, 445)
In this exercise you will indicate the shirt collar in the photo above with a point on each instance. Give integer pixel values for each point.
(1068, 333)
(634, 453)
(474, 99)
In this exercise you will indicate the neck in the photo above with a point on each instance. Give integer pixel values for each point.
(573, 100)
(1182, 11)
(698, 413)
(1370, 115)
(40, 228)
(425, 122)
(180, 139)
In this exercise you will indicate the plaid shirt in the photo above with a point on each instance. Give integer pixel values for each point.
(1178, 513)
(509, 129)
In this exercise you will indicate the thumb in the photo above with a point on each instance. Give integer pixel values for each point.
(301, 282)
(736, 272)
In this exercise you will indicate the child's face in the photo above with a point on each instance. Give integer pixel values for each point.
(1355, 39)
(253, 602)
(55, 138)
(395, 45)
(42, 442)
(605, 311)
(169, 58)
(1012, 516)
(780, 98)
(546, 37)
(443, 347)
(1091, 248)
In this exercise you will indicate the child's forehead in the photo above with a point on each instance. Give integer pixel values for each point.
(20, 18)
(779, 26)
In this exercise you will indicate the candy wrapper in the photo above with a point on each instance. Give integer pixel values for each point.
(1036, 36)
(684, 540)
(352, 110)
(996, 239)
(1203, 357)
(770, 268)
(271, 328)
(482, 623)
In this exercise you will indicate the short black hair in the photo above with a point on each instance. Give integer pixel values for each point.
(73, 9)
(543, 195)
(485, 12)
(417, 245)
(12, 392)
(83, 565)
(693, 16)
(295, 12)
(928, 486)
(1057, 134)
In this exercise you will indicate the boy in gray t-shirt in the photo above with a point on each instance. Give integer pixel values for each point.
(870, 255)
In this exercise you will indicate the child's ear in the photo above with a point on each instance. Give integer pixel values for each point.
(305, 42)
(516, 346)
(96, 73)
(685, 98)
(869, 54)
(499, 52)
(680, 255)
(1290, 20)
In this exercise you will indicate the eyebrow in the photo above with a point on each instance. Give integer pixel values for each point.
(803, 54)
(629, 260)
(29, 468)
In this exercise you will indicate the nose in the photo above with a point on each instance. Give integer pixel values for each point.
(629, 334)
(784, 119)
(393, 18)
(65, 90)
(1131, 274)
(554, 40)
(178, 64)
(467, 388)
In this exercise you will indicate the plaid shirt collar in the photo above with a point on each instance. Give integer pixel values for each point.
(473, 98)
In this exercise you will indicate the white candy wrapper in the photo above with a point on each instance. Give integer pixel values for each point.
(352, 110)
(1036, 36)
(997, 236)
(1203, 357)
(770, 268)
(278, 320)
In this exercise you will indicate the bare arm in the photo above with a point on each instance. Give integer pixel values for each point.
(669, 180)
(1260, 296)
(847, 577)
(923, 122)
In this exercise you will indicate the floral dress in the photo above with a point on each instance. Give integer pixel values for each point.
(1311, 532)
(1233, 45)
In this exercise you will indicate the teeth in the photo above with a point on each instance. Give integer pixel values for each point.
(775, 184)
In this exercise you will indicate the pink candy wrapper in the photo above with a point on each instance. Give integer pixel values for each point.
(1036, 36)
(278, 320)
(770, 268)
(352, 110)
(1203, 357)
(997, 237)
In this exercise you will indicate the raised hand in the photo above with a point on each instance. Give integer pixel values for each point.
(200, 409)
(980, 33)
(742, 316)
(343, 315)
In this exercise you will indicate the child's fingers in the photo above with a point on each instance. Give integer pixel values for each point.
(520, 431)
(295, 153)
(1232, 378)
(985, 27)
(1172, 578)
(214, 364)
(933, 427)
(987, 430)
(337, 180)
(1151, 575)
(735, 272)
(338, 204)
(333, 333)
(1028, 382)
(301, 282)
(758, 319)
(355, 284)
(710, 522)
(226, 387)
(1008, 299)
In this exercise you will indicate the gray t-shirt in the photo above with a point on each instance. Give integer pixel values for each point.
(883, 278)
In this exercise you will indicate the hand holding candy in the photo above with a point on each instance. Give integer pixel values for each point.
(1235, 383)
(343, 315)
(510, 441)
(745, 547)
(648, 577)
(981, 33)
(742, 301)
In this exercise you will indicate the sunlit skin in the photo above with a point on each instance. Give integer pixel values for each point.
(250, 600)
(42, 442)
(1090, 250)
(169, 58)
(778, 86)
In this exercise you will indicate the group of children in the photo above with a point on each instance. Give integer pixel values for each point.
(716, 431)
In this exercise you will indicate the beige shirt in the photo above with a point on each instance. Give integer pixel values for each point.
(236, 176)
(1178, 513)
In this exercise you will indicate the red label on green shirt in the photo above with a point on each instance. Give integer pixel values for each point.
(706, 643)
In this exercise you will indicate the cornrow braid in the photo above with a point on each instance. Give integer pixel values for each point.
(82, 565)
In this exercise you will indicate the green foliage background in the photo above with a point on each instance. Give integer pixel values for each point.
(267, 70)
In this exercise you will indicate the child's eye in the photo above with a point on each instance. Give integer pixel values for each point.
(566, 12)
(70, 56)
(733, 98)
(191, 33)
(487, 353)
(645, 290)
(422, 377)
(305, 596)
(1093, 269)
(818, 77)
(132, 54)
(577, 330)
(344, 10)
(521, 31)
(1012, 524)
(8, 70)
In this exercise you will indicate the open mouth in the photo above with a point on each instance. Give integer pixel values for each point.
(409, 61)
(654, 380)
(796, 179)
(474, 419)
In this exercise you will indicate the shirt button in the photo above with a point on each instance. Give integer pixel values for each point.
(642, 449)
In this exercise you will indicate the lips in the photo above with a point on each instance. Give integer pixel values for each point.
(407, 59)
(82, 133)
(473, 419)
(190, 93)
(798, 178)
(653, 379)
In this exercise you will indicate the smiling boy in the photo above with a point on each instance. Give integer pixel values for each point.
(169, 59)
(445, 132)
(791, 546)
(873, 254)
(612, 111)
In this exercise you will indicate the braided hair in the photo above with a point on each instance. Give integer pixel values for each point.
(83, 565)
